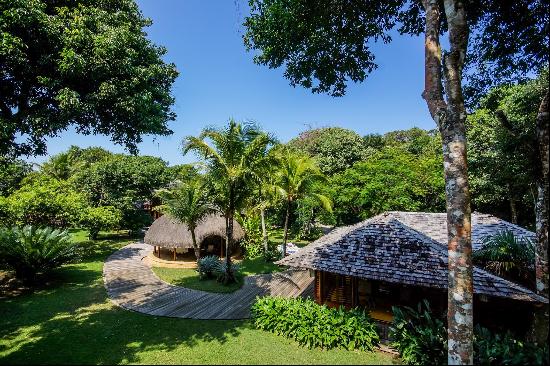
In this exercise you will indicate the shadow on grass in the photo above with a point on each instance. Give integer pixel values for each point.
(189, 278)
(258, 266)
(75, 323)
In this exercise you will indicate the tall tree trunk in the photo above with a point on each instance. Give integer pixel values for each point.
(229, 244)
(450, 117)
(264, 231)
(196, 247)
(286, 226)
(513, 210)
(541, 208)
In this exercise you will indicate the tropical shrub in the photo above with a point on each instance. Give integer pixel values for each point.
(272, 254)
(419, 337)
(227, 276)
(252, 243)
(504, 349)
(124, 182)
(95, 219)
(507, 255)
(31, 251)
(45, 201)
(314, 325)
(208, 266)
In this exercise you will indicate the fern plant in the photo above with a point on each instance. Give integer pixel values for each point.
(30, 251)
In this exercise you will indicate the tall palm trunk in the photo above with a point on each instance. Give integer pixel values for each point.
(450, 116)
(229, 278)
(286, 226)
(264, 231)
(196, 247)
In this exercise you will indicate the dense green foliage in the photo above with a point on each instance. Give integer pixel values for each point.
(508, 256)
(421, 339)
(419, 336)
(102, 218)
(253, 241)
(65, 164)
(43, 201)
(505, 349)
(315, 325)
(30, 251)
(336, 149)
(502, 161)
(12, 172)
(390, 179)
(87, 64)
(124, 182)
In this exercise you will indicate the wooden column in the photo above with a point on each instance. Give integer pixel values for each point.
(174, 253)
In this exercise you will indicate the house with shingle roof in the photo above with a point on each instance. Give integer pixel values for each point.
(400, 258)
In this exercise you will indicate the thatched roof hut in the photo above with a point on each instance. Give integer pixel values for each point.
(168, 232)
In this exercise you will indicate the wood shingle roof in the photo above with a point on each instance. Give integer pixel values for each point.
(407, 248)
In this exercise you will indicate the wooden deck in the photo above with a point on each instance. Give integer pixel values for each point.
(131, 284)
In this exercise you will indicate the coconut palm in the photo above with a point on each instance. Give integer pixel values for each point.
(298, 177)
(189, 203)
(235, 156)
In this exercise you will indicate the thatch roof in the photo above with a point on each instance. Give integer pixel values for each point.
(168, 232)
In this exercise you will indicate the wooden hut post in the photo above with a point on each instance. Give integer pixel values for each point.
(175, 253)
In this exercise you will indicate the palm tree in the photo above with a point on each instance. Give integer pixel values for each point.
(296, 178)
(188, 202)
(509, 256)
(236, 156)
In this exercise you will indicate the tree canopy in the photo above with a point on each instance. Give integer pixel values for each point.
(335, 148)
(86, 64)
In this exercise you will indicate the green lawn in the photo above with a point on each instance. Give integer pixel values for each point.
(189, 278)
(277, 235)
(73, 322)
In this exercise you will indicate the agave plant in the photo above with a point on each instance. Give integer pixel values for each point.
(507, 255)
(30, 251)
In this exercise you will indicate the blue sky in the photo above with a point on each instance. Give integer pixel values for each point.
(218, 80)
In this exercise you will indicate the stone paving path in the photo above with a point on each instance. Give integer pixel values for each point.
(131, 284)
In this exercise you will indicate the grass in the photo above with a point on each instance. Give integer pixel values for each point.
(74, 322)
(277, 235)
(189, 278)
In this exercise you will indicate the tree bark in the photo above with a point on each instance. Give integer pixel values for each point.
(264, 231)
(541, 207)
(450, 117)
(286, 226)
(196, 247)
(228, 245)
(513, 210)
